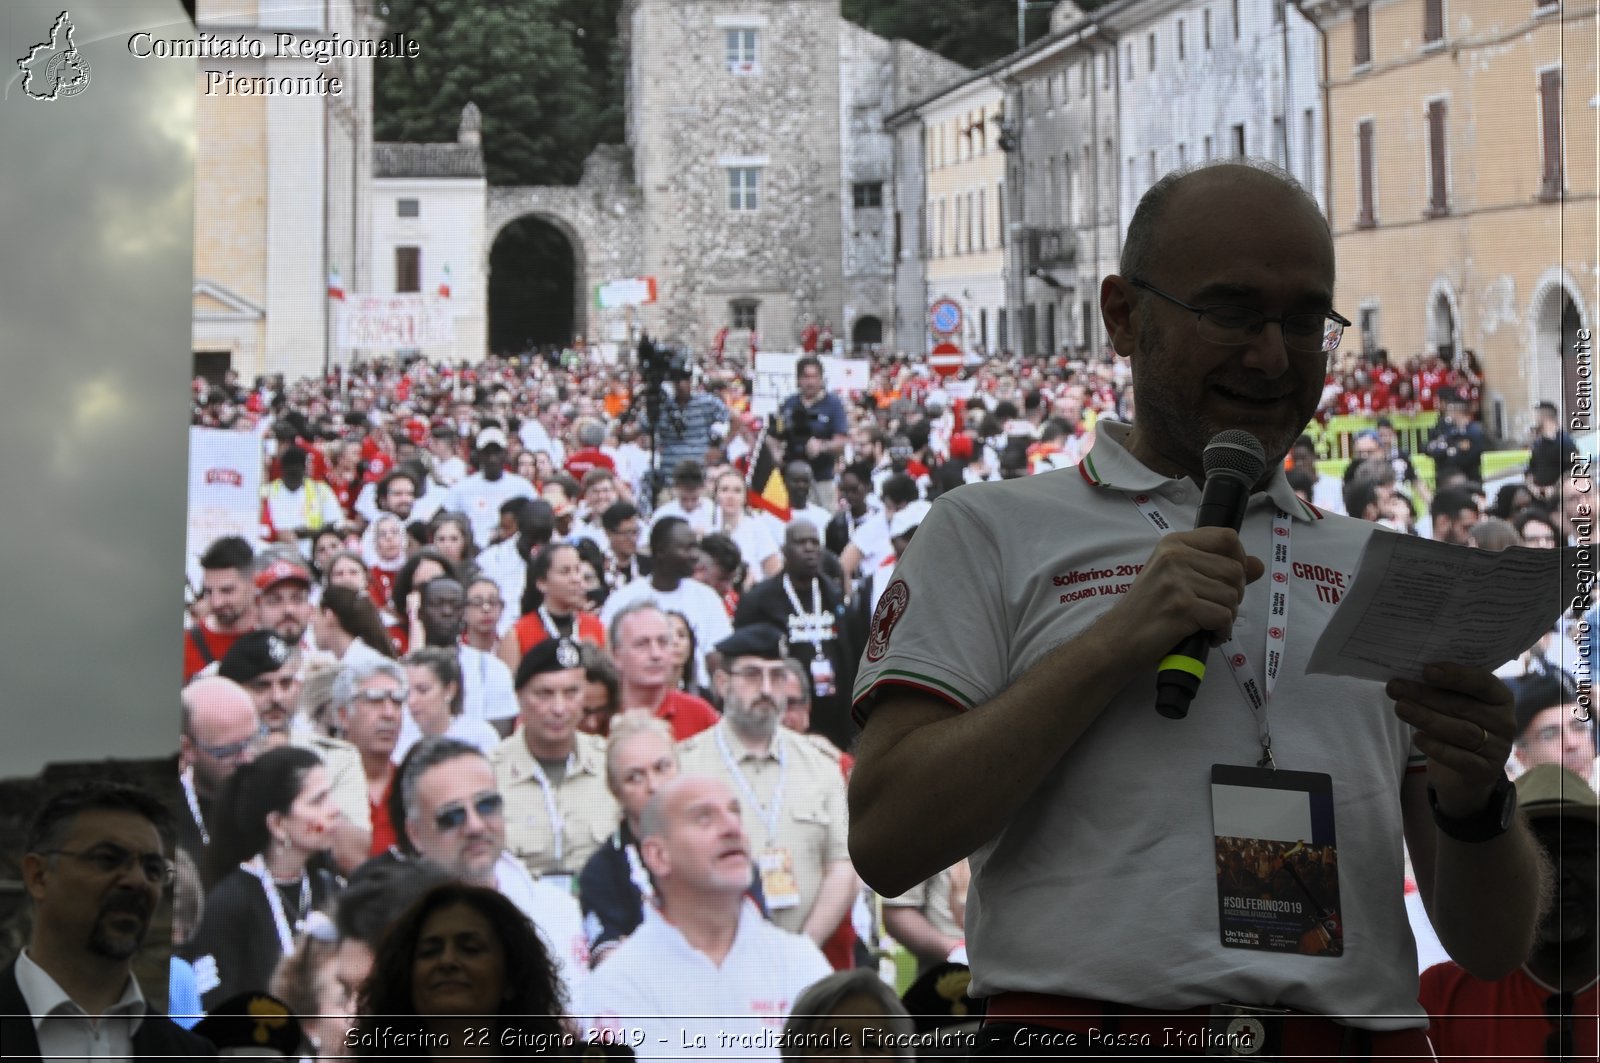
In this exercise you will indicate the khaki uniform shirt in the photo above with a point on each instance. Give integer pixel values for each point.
(586, 812)
(932, 899)
(345, 773)
(812, 825)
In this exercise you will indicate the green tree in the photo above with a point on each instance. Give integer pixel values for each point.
(522, 62)
(970, 32)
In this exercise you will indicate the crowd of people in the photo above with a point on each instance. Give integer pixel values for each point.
(527, 717)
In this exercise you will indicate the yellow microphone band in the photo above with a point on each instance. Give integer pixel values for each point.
(1180, 663)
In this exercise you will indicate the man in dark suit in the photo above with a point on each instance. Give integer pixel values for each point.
(95, 865)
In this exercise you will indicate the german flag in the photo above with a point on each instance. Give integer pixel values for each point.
(763, 480)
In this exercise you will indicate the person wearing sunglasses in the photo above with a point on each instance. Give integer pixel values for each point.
(447, 810)
(95, 866)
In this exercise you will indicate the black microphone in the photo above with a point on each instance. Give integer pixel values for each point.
(1233, 461)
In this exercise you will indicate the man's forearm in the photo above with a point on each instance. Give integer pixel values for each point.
(913, 930)
(834, 897)
(1487, 899)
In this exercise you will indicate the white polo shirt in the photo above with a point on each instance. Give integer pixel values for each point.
(687, 1007)
(1104, 886)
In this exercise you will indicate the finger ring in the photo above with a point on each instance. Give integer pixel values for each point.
(1482, 741)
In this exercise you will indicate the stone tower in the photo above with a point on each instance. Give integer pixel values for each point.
(733, 117)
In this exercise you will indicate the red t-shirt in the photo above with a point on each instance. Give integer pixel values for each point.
(579, 462)
(530, 631)
(219, 644)
(687, 714)
(1473, 1019)
(383, 836)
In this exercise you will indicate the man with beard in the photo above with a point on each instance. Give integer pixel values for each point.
(1007, 689)
(294, 508)
(448, 810)
(809, 608)
(221, 730)
(1548, 1007)
(283, 602)
(268, 668)
(227, 604)
(791, 792)
(95, 865)
(486, 692)
(480, 495)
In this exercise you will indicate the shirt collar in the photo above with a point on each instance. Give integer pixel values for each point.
(46, 998)
(1109, 464)
(737, 747)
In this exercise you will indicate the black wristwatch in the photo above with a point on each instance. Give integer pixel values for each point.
(1493, 820)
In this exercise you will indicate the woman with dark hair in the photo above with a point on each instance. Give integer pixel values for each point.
(347, 622)
(552, 606)
(325, 546)
(405, 594)
(271, 823)
(485, 607)
(434, 704)
(593, 573)
(462, 972)
(452, 537)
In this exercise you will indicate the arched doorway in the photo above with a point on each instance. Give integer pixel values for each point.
(1556, 324)
(866, 334)
(534, 301)
(1442, 332)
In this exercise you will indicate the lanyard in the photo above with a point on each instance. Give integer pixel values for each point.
(558, 825)
(813, 630)
(639, 876)
(770, 813)
(187, 779)
(257, 866)
(1257, 695)
(550, 623)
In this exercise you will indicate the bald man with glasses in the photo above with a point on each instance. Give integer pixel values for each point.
(95, 865)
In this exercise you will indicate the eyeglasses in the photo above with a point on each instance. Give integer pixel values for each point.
(753, 674)
(484, 603)
(114, 859)
(1236, 325)
(375, 696)
(233, 750)
(454, 815)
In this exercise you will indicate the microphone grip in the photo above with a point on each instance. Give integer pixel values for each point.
(1179, 673)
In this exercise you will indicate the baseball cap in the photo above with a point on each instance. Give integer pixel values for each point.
(282, 570)
(1551, 790)
(254, 654)
(908, 517)
(490, 437)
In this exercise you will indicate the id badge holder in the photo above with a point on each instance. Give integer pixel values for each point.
(778, 883)
(1277, 861)
(822, 675)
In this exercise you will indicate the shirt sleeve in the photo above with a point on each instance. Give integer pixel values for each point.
(942, 625)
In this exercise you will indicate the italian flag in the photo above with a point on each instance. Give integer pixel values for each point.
(444, 282)
(335, 285)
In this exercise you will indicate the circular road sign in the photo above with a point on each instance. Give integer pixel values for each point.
(946, 316)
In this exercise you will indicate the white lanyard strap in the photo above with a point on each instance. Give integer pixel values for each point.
(550, 623)
(558, 826)
(1257, 695)
(187, 778)
(769, 813)
(257, 866)
(812, 631)
(639, 876)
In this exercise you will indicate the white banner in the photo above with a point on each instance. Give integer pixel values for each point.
(773, 380)
(393, 322)
(224, 487)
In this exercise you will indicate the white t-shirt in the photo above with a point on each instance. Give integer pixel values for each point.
(754, 537)
(700, 605)
(486, 690)
(480, 734)
(505, 566)
(481, 500)
(534, 436)
(655, 980)
(1117, 899)
(872, 539)
(556, 915)
(699, 518)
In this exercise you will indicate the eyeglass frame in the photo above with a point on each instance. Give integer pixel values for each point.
(756, 675)
(372, 697)
(1201, 311)
(493, 799)
(485, 603)
(232, 750)
(108, 853)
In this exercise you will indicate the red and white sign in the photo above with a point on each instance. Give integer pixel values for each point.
(389, 322)
(945, 359)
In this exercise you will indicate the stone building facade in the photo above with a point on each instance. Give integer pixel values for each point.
(1463, 140)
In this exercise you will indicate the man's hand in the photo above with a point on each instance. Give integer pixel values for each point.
(1465, 725)
(1194, 581)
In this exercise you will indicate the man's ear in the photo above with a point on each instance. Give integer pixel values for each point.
(653, 851)
(719, 684)
(1118, 304)
(33, 874)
